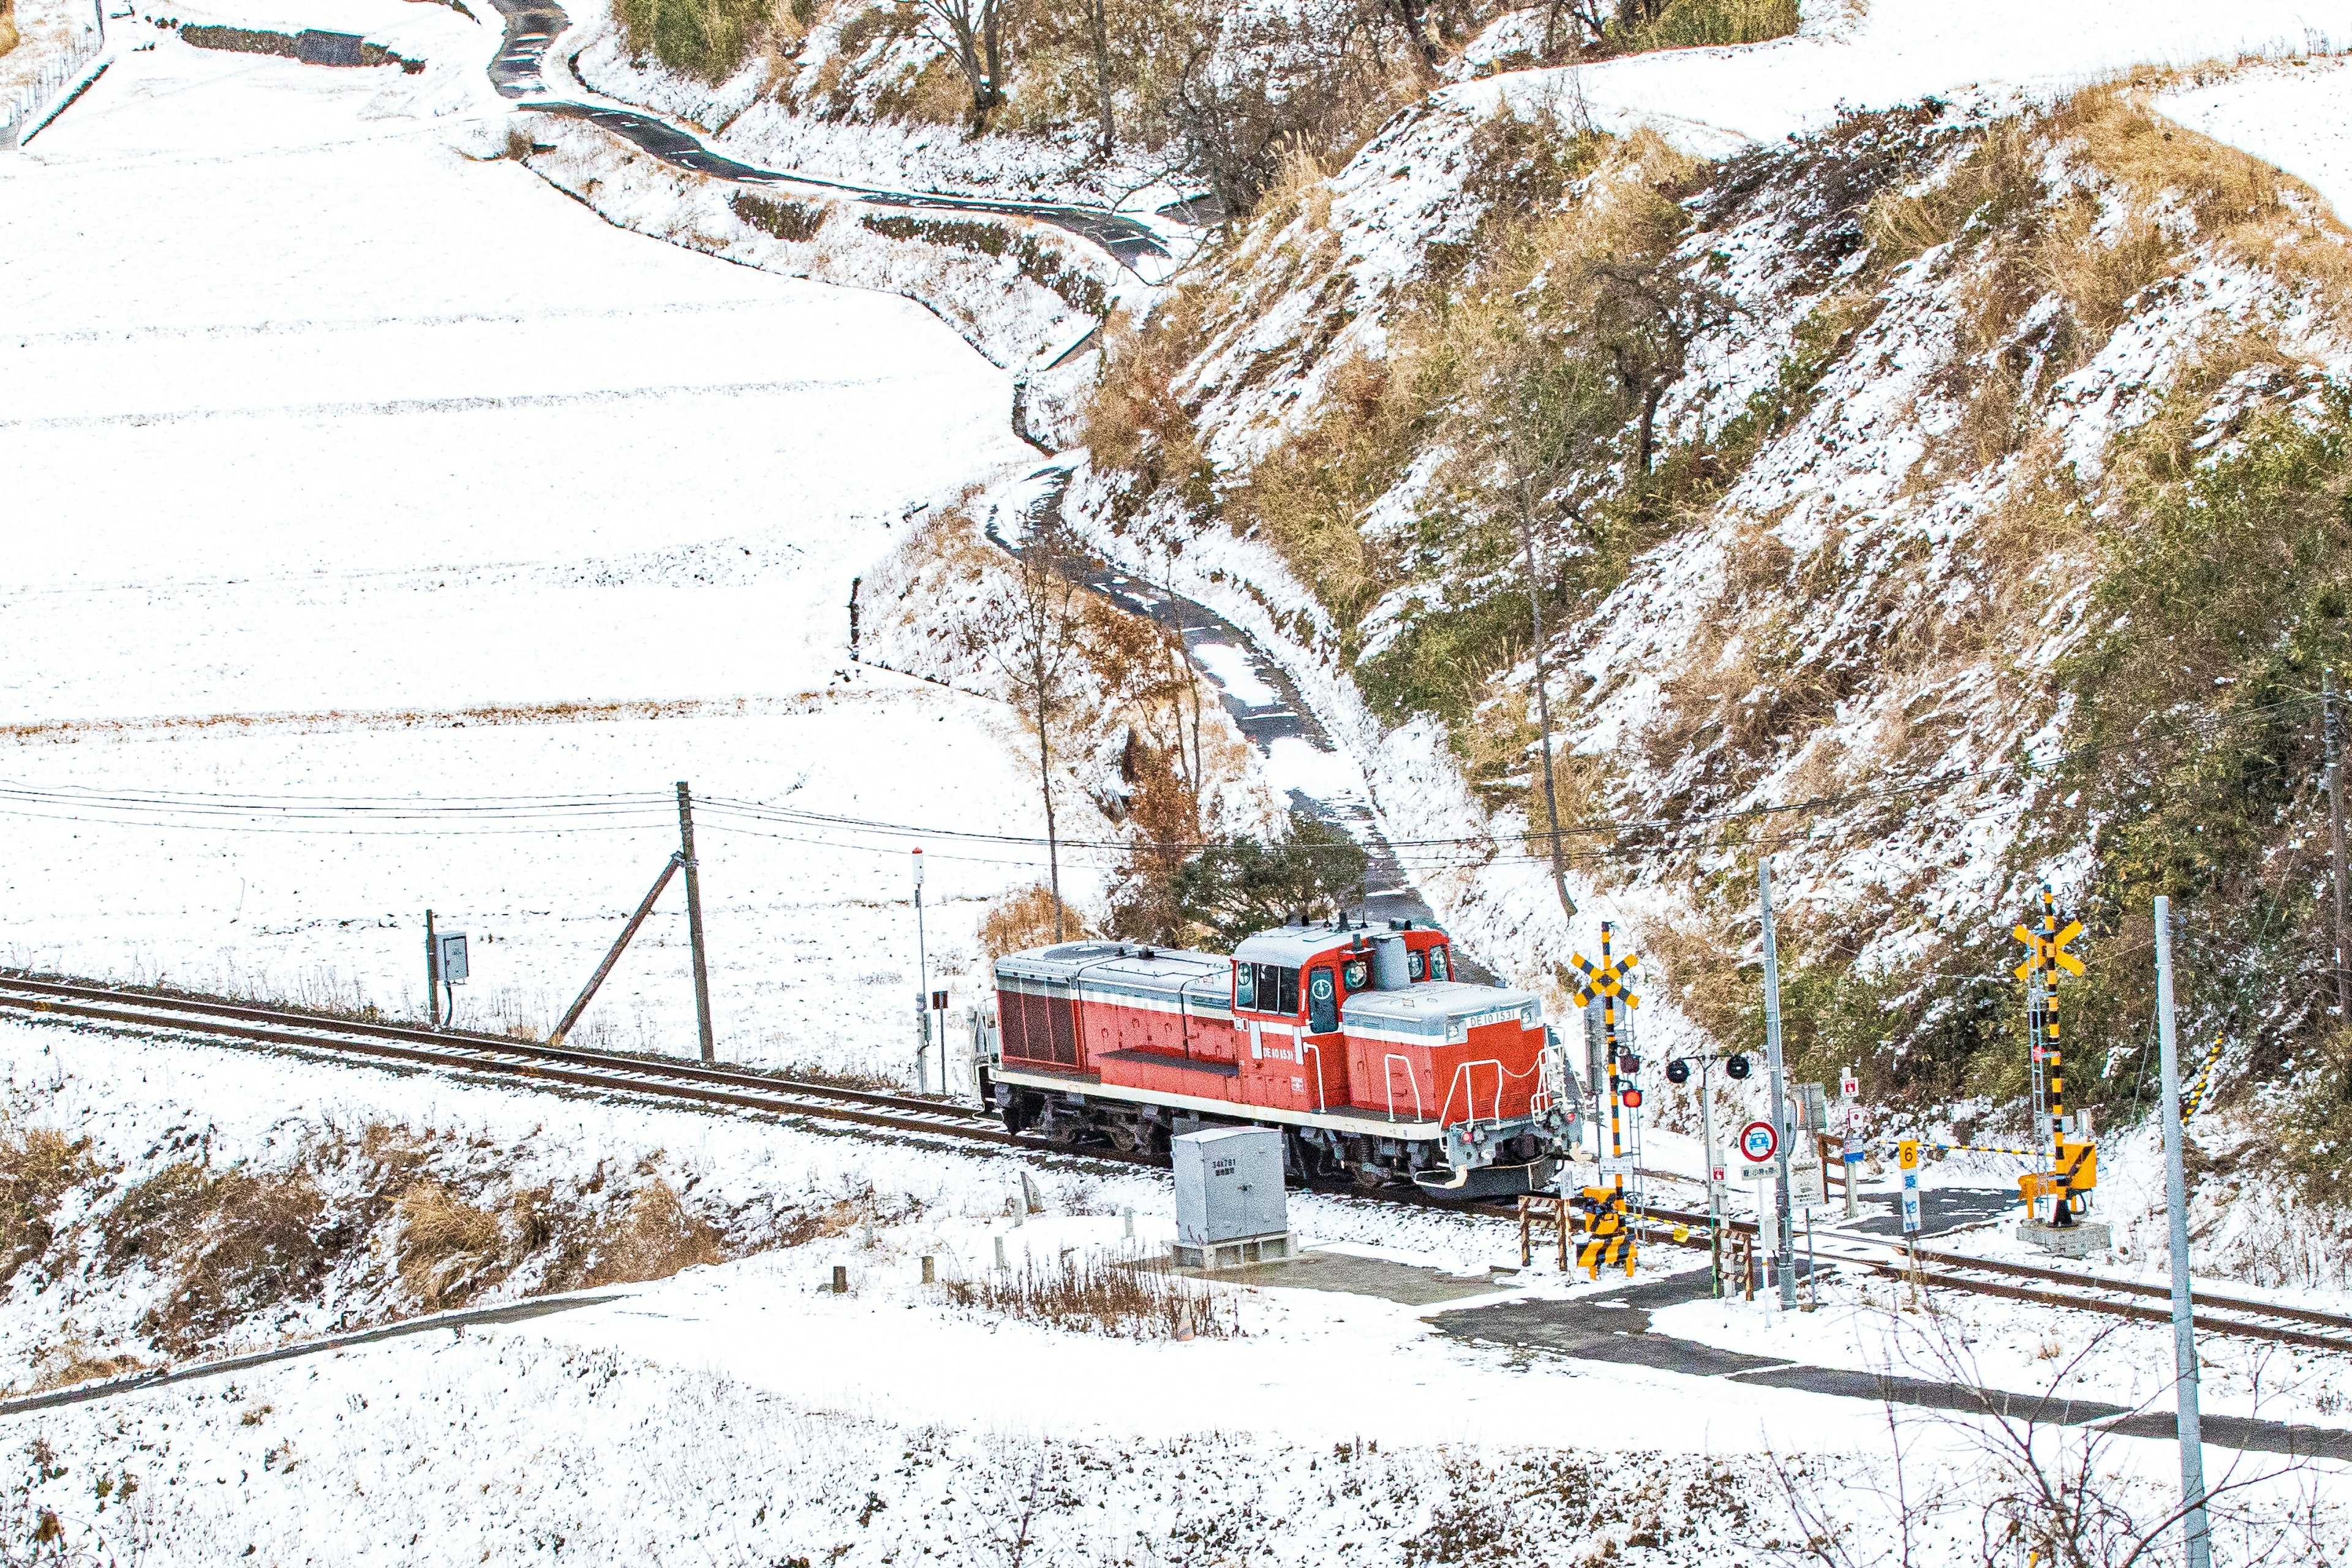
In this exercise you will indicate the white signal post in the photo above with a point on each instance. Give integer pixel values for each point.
(922, 990)
(1786, 1237)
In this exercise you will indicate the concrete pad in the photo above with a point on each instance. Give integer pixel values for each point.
(1352, 1276)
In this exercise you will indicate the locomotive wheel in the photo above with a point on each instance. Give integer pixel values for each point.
(1368, 1179)
(1122, 1136)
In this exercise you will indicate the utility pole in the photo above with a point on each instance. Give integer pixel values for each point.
(2336, 838)
(1786, 1237)
(432, 975)
(694, 920)
(1714, 1185)
(1543, 719)
(923, 990)
(2175, 1203)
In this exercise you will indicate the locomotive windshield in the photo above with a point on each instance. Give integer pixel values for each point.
(1265, 987)
(1437, 963)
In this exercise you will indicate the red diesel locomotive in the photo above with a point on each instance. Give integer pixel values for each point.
(1359, 1043)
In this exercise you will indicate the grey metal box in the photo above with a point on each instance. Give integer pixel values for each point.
(1229, 1185)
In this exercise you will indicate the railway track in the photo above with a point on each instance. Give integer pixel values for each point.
(497, 1056)
(2076, 1289)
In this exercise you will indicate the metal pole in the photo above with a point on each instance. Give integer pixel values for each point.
(1714, 1188)
(694, 920)
(2035, 998)
(644, 908)
(432, 975)
(1786, 1235)
(2175, 1203)
(2336, 838)
(923, 994)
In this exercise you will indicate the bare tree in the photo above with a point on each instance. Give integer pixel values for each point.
(1029, 631)
(1097, 20)
(1549, 418)
(972, 32)
(1647, 314)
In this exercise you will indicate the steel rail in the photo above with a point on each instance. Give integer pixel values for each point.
(443, 1038)
(517, 1060)
(1992, 1276)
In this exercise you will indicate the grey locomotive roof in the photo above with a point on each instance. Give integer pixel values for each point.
(1123, 968)
(1294, 945)
(1431, 1007)
(1070, 958)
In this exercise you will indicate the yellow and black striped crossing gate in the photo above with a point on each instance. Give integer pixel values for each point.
(1608, 1241)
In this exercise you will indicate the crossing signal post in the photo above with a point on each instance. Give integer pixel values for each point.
(2069, 1162)
(1608, 1238)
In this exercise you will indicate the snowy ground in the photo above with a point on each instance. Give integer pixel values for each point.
(1890, 52)
(411, 466)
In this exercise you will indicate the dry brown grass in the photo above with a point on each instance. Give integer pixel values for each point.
(252, 1240)
(447, 1247)
(9, 33)
(1024, 918)
(37, 1167)
(656, 1237)
(1136, 423)
(1091, 1292)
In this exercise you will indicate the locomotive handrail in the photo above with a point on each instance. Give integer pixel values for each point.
(1308, 1050)
(1468, 1089)
(1387, 1073)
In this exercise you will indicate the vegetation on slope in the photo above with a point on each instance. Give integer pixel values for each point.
(1219, 94)
(2111, 662)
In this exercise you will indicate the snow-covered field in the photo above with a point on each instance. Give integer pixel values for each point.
(415, 467)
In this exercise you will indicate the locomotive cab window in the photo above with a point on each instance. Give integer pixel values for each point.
(1437, 964)
(1266, 988)
(1322, 1001)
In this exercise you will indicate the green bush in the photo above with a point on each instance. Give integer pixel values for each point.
(1698, 24)
(707, 39)
(2195, 754)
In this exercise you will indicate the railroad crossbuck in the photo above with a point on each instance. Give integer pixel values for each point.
(1608, 1238)
(2070, 1164)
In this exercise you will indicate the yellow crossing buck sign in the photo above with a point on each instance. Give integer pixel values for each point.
(1611, 977)
(2046, 948)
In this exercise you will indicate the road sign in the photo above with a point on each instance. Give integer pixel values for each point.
(1907, 1160)
(1808, 1188)
(1756, 1171)
(1849, 1086)
(2046, 949)
(1759, 1141)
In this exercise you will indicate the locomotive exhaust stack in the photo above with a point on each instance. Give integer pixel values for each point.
(1361, 1046)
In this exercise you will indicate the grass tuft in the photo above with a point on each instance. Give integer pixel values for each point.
(1093, 1293)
